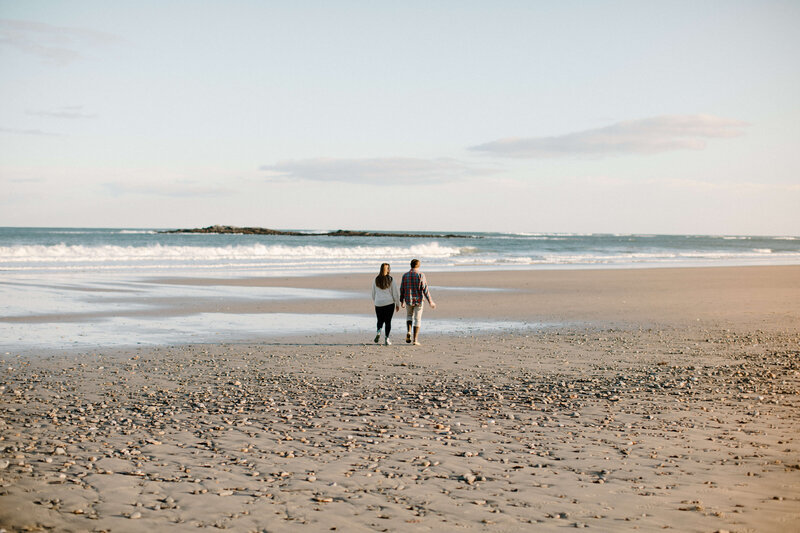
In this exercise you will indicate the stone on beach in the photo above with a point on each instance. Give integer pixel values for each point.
(614, 427)
(272, 436)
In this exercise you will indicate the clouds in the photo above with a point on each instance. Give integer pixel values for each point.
(28, 131)
(60, 113)
(55, 45)
(66, 112)
(377, 171)
(644, 136)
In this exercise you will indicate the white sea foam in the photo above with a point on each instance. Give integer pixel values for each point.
(643, 258)
(64, 255)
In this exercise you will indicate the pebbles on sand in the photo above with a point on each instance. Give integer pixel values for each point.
(498, 431)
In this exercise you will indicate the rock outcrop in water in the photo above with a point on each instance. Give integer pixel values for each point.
(235, 230)
(337, 233)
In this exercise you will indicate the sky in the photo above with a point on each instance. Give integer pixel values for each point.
(567, 116)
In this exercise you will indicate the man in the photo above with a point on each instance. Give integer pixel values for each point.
(412, 289)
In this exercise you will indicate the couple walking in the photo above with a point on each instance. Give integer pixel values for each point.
(389, 299)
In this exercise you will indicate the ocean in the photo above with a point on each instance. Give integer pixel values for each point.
(53, 250)
(84, 288)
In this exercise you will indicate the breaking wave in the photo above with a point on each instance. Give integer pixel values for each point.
(63, 255)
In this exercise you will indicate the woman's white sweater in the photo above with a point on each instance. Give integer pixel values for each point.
(388, 296)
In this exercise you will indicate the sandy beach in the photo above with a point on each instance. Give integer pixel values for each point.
(649, 399)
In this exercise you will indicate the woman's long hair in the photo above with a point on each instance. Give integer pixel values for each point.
(384, 280)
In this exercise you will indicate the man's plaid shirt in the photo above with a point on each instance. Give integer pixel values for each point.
(413, 288)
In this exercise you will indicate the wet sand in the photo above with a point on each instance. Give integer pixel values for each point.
(667, 399)
(762, 297)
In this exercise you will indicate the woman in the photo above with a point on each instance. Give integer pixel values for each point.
(386, 296)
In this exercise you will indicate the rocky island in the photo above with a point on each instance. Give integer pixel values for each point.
(337, 233)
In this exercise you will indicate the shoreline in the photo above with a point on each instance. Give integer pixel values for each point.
(640, 417)
(159, 310)
(603, 296)
(277, 271)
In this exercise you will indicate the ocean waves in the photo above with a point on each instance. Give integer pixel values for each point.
(64, 256)
(754, 256)
(76, 249)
